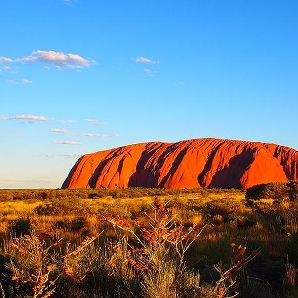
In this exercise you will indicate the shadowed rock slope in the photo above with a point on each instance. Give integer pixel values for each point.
(191, 163)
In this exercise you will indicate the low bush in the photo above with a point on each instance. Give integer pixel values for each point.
(20, 227)
(78, 223)
(45, 209)
(276, 190)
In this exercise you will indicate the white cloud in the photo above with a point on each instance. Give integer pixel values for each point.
(5, 59)
(87, 134)
(92, 135)
(68, 121)
(59, 59)
(74, 155)
(95, 122)
(67, 143)
(67, 155)
(59, 130)
(68, 60)
(104, 135)
(146, 60)
(25, 81)
(9, 69)
(25, 117)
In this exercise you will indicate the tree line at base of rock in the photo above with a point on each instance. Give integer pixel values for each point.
(276, 190)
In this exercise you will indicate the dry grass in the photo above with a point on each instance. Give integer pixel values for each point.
(124, 260)
(18, 207)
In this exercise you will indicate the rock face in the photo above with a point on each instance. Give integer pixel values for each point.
(191, 163)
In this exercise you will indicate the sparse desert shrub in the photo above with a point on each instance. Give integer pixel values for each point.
(243, 223)
(276, 190)
(20, 227)
(30, 266)
(19, 195)
(45, 209)
(293, 190)
(224, 209)
(98, 194)
(5, 196)
(78, 223)
(115, 209)
(60, 224)
(43, 195)
(68, 206)
(35, 267)
(292, 247)
(80, 260)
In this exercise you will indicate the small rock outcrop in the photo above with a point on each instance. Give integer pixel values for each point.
(194, 163)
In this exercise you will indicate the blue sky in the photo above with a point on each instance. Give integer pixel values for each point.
(79, 76)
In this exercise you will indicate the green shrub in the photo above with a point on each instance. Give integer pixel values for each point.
(78, 223)
(60, 224)
(293, 190)
(225, 208)
(292, 247)
(276, 191)
(21, 227)
(45, 209)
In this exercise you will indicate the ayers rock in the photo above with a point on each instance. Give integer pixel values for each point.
(194, 163)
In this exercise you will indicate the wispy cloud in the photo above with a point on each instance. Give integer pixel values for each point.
(5, 60)
(67, 121)
(26, 81)
(92, 135)
(83, 134)
(59, 59)
(25, 117)
(95, 122)
(146, 60)
(67, 143)
(59, 155)
(149, 71)
(59, 130)
(74, 155)
(9, 69)
(16, 82)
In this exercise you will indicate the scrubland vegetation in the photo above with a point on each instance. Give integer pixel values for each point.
(150, 242)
